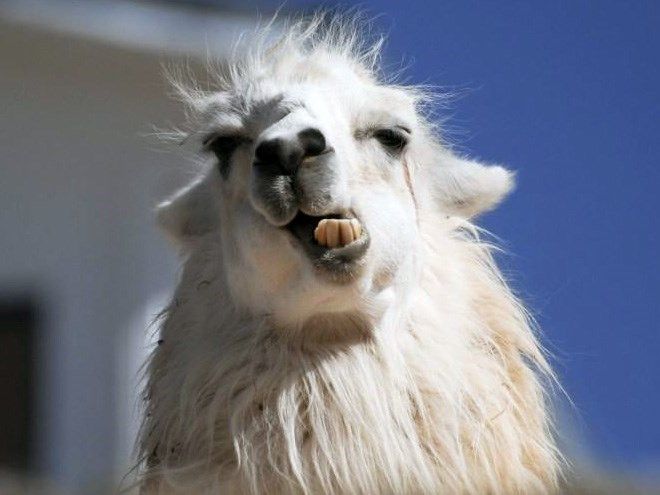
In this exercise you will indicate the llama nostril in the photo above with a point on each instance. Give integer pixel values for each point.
(281, 156)
(269, 151)
(312, 141)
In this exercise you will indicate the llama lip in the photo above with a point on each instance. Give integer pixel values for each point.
(338, 259)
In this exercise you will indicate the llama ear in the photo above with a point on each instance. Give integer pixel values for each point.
(467, 188)
(189, 213)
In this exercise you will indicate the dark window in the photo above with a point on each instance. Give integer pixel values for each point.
(17, 329)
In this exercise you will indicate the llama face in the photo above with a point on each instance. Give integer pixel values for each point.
(318, 179)
(307, 157)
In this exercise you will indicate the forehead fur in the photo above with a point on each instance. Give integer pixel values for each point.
(326, 51)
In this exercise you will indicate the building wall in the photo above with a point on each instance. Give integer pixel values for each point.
(78, 180)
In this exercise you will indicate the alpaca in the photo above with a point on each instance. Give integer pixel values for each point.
(339, 326)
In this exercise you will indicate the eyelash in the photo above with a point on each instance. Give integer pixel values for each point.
(393, 139)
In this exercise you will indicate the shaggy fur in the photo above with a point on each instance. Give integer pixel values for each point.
(423, 376)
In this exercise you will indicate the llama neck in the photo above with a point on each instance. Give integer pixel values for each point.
(411, 392)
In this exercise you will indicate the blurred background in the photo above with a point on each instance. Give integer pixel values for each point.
(567, 93)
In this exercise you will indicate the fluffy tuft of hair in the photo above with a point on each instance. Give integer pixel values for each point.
(287, 50)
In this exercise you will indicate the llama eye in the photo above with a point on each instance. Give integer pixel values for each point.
(222, 146)
(393, 139)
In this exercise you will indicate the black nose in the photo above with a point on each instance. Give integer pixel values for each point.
(286, 155)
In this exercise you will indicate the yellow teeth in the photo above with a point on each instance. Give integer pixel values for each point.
(337, 232)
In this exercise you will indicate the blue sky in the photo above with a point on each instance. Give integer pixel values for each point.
(568, 94)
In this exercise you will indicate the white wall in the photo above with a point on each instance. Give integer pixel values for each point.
(77, 183)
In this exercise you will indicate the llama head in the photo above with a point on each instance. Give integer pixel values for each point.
(318, 175)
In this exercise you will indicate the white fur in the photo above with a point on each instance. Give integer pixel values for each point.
(421, 375)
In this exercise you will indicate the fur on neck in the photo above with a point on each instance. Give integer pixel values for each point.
(442, 393)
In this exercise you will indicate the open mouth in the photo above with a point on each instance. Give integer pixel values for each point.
(335, 242)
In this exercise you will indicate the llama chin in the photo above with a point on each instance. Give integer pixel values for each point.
(339, 326)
